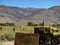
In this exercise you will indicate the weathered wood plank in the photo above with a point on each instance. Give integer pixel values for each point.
(26, 39)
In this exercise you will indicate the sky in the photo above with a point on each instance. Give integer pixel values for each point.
(30, 3)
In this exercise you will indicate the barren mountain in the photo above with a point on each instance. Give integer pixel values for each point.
(21, 16)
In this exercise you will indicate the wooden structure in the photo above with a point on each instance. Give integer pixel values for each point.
(26, 39)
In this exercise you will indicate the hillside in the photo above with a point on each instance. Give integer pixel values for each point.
(49, 16)
(15, 14)
(21, 16)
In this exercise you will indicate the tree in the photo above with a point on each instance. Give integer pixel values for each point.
(56, 25)
(41, 24)
(2, 24)
(30, 24)
(7, 24)
(10, 24)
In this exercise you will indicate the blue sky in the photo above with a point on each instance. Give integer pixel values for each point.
(31, 3)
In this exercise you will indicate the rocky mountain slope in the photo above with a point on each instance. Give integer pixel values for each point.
(21, 16)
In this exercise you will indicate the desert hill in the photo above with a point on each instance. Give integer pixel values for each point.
(21, 16)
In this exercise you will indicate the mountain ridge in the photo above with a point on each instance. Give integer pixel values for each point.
(21, 16)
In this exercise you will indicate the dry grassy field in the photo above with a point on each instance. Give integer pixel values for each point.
(8, 33)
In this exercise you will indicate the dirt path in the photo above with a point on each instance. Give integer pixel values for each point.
(7, 43)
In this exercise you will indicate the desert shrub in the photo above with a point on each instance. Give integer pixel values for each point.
(9, 35)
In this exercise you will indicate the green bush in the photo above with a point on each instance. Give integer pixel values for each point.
(30, 23)
(7, 24)
(56, 25)
(10, 24)
(9, 35)
(34, 24)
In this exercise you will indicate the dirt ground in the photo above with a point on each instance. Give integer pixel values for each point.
(7, 43)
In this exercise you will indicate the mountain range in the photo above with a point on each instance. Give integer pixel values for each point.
(21, 16)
